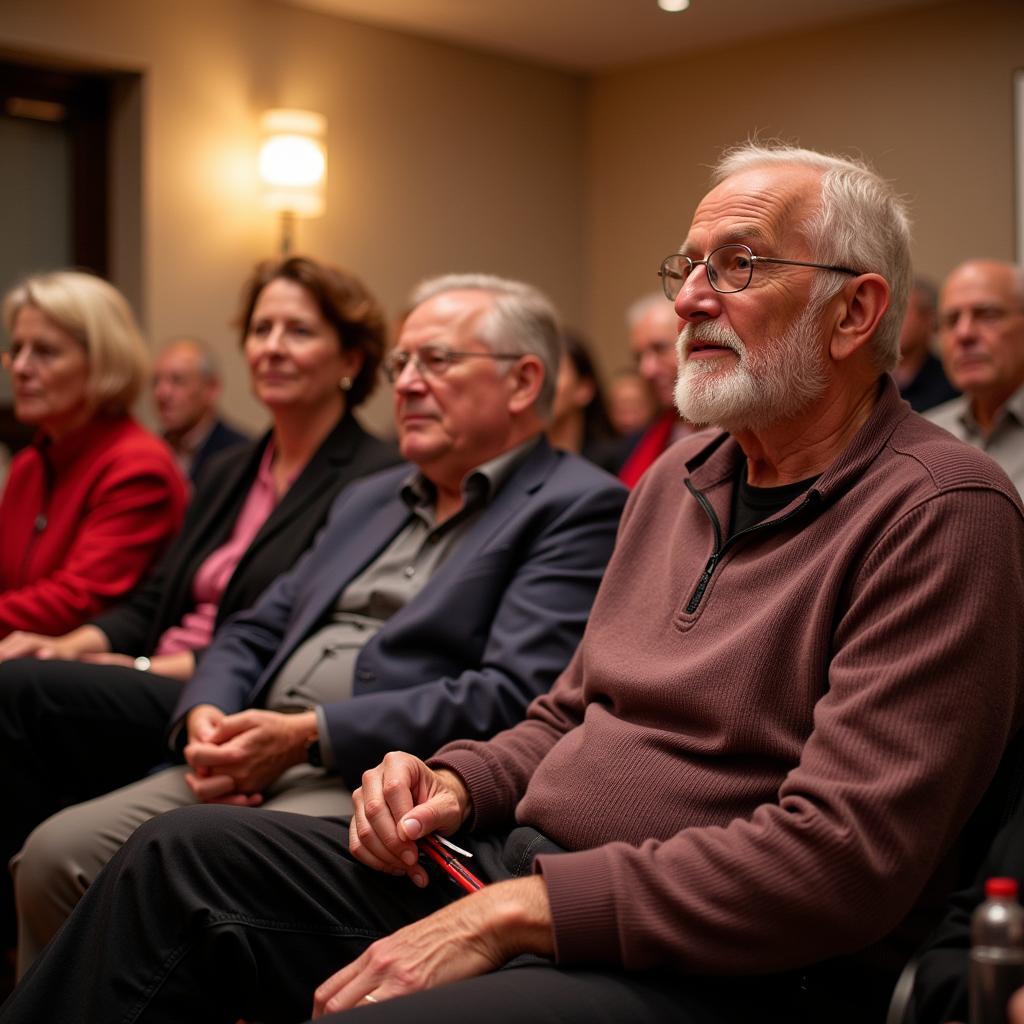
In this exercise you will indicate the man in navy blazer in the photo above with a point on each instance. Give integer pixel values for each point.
(186, 389)
(440, 599)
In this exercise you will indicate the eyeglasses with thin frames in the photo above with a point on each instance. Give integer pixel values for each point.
(433, 360)
(730, 269)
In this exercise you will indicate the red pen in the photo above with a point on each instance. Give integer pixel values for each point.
(455, 869)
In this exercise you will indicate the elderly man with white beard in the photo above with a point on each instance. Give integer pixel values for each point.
(743, 799)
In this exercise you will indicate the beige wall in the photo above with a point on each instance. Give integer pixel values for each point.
(439, 158)
(443, 158)
(926, 96)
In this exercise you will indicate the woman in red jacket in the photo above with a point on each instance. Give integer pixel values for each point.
(95, 498)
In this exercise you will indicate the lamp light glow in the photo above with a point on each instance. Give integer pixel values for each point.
(293, 162)
(673, 6)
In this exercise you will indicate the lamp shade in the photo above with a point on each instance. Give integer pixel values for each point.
(293, 162)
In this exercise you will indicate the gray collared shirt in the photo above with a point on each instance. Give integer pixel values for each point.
(322, 667)
(1004, 443)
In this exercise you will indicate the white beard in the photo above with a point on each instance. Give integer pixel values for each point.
(762, 389)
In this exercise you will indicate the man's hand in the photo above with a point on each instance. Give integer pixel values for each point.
(202, 722)
(474, 935)
(235, 757)
(400, 801)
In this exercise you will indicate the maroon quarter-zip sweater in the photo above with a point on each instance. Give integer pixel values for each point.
(763, 751)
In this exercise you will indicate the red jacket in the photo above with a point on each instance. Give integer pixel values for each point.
(81, 520)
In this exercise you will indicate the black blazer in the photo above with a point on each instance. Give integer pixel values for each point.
(135, 625)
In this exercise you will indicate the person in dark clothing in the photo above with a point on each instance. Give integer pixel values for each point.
(186, 389)
(919, 373)
(579, 420)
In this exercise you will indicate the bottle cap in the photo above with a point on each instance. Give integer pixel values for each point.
(1005, 888)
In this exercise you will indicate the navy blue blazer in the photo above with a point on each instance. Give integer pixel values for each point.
(222, 436)
(493, 627)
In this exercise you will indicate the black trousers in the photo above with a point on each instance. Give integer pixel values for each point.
(210, 914)
(71, 731)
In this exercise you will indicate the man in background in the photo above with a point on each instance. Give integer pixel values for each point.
(653, 326)
(919, 373)
(981, 335)
(186, 389)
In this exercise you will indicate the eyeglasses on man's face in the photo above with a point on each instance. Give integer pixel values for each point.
(730, 268)
(432, 360)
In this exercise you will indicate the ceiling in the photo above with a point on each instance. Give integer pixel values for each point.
(597, 35)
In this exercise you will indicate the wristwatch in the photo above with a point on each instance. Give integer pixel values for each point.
(142, 663)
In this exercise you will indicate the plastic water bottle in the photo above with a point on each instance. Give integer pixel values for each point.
(997, 952)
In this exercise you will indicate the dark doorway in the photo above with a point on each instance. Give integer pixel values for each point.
(55, 179)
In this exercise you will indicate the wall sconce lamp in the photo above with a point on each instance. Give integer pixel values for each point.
(293, 167)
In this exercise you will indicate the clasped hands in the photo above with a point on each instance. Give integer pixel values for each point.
(234, 758)
(400, 801)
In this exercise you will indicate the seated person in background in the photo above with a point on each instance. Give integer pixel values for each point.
(313, 338)
(95, 499)
(653, 326)
(437, 602)
(186, 388)
(630, 403)
(919, 374)
(737, 799)
(579, 422)
(981, 333)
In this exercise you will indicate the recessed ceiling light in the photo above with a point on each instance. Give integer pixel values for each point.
(673, 5)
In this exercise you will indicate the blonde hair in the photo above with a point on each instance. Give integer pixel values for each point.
(99, 316)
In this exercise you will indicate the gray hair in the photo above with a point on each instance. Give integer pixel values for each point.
(639, 309)
(860, 222)
(209, 365)
(522, 321)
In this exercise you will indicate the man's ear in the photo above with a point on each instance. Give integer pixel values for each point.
(864, 301)
(526, 377)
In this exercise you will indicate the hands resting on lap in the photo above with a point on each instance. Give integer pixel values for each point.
(400, 801)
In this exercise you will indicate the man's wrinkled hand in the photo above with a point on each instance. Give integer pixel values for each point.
(251, 748)
(474, 935)
(400, 801)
